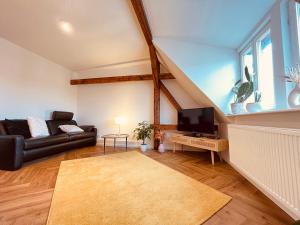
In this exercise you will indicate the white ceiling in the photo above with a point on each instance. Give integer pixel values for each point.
(216, 22)
(105, 31)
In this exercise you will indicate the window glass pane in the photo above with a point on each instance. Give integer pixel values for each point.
(298, 22)
(265, 71)
(248, 61)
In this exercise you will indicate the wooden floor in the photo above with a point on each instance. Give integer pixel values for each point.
(25, 195)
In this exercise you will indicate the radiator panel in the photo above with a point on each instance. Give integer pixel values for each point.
(269, 158)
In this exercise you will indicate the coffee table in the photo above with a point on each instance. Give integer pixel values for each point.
(115, 137)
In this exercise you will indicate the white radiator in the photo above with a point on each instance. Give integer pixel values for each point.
(270, 159)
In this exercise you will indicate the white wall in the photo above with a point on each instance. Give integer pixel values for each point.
(32, 85)
(213, 70)
(99, 104)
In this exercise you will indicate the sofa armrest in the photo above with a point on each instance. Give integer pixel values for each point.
(11, 152)
(95, 131)
(87, 128)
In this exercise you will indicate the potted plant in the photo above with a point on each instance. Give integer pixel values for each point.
(242, 91)
(142, 132)
(256, 106)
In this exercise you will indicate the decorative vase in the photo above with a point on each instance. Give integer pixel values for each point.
(237, 108)
(294, 97)
(161, 148)
(254, 107)
(144, 147)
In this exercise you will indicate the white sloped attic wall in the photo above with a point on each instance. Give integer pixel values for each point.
(213, 70)
(198, 40)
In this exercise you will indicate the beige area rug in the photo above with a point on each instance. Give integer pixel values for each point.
(132, 189)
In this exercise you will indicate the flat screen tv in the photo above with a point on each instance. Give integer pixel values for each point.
(199, 120)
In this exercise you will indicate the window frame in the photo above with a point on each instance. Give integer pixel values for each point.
(294, 23)
(253, 44)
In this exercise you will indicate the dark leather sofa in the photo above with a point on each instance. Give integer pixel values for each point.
(16, 149)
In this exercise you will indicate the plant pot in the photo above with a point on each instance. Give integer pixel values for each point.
(161, 148)
(294, 97)
(144, 147)
(237, 108)
(254, 107)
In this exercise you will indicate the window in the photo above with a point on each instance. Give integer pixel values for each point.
(248, 61)
(258, 57)
(265, 70)
(298, 21)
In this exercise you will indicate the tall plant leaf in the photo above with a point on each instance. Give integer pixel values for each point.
(247, 74)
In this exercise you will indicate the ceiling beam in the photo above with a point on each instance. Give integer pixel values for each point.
(155, 65)
(170, 96)
(166, 126)
(115, 79)
(141, 16)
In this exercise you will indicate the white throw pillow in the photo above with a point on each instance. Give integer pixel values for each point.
(70, 129)
(37, 127)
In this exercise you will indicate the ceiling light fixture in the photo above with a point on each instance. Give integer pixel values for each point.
(66, 27)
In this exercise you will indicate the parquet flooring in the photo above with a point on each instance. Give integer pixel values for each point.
(25, 195)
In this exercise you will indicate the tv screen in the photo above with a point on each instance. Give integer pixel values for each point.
(196, 120)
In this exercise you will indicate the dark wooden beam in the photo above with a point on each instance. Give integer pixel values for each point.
(166, 126)
(115, 79)
(298, 1)
(170, 96)
(155, 65)
(141, 16)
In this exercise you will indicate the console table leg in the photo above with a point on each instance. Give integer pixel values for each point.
(212, 158)
(220, 156)
(104, 145)
(174, 147)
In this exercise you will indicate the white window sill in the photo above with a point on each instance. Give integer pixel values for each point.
(265, 112)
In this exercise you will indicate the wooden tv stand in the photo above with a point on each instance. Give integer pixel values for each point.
(213, 145)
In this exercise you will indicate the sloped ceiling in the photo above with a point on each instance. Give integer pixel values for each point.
(216, 22)
(197, 40)
(105, 32)
(207, 73)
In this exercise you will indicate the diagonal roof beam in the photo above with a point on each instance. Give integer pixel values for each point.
(141, 16)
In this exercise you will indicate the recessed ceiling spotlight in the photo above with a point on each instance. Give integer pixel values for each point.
(66, 27)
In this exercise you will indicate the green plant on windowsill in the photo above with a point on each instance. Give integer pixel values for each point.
(253, 107)
(257, 96)
(242, 91)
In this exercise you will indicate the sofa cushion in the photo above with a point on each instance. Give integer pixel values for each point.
(71, 129)
(17, 127)
(78, 136)
(37, 127)
(53, 125)
(32, 143)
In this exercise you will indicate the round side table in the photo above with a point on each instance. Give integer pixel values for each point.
(114, 137)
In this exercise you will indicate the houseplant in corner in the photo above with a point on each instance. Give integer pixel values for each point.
(142, 132)
(242, 91)
(256, 106)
